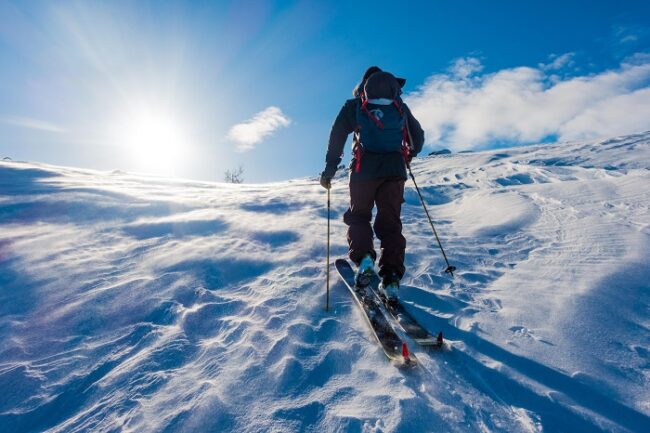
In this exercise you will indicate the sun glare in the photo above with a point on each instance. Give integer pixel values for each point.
(154, 139)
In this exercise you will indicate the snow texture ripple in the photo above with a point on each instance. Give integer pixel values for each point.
(141, 304)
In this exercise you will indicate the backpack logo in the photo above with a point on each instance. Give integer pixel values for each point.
(377, 113)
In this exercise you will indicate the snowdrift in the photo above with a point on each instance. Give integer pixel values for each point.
(141, 304)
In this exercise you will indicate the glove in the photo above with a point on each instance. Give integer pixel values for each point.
(327, 175)
(409, 156)
(325, 180)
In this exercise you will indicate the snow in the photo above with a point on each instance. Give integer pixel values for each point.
(142, 304)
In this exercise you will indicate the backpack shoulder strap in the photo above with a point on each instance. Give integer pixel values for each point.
(372, 116)
(406, 134)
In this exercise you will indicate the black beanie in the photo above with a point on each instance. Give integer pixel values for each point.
(356, 92)
(382, 85)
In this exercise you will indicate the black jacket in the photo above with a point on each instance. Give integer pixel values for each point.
(373, 165)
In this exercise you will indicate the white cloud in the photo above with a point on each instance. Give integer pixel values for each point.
(25, 122)
(618, 115)
(463, 110)
(466, 66)
(251, 132)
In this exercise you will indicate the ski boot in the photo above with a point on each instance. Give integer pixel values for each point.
(365, 272)
(389, 287)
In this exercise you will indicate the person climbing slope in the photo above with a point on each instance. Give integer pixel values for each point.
(382, 124)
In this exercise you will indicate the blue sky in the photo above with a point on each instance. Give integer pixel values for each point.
(160, 86)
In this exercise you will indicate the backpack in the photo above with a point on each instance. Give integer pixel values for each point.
(381, 128)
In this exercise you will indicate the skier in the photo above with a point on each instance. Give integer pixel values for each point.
(382, 124)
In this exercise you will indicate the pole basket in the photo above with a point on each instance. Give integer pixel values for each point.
(450, 270)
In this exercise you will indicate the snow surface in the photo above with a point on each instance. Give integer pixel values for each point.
(140, 304)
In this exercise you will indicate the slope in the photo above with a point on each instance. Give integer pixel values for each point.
(134, 303)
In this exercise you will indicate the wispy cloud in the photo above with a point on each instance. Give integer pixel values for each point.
(558, 62)
(626, 34)
(251, 132)
(26, 122)
(462, 110)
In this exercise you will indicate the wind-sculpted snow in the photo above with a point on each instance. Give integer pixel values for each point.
(140, 304)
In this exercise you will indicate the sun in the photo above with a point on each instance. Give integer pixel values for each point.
(153, 138)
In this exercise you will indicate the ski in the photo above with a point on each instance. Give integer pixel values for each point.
(411, 327)
(394, 348)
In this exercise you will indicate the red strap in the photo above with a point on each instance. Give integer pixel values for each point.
(372, 116)
(399, 107)
(406, 152)
(405, 135)
(357, 156)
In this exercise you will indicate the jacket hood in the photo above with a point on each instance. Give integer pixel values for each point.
(382, 85)
(358, 89)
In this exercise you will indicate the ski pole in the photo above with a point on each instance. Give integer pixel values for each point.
(450, 269)
(327, 280)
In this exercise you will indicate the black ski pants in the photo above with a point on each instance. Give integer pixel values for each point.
(388, 195)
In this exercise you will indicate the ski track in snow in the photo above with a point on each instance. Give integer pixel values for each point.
(141, 304)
